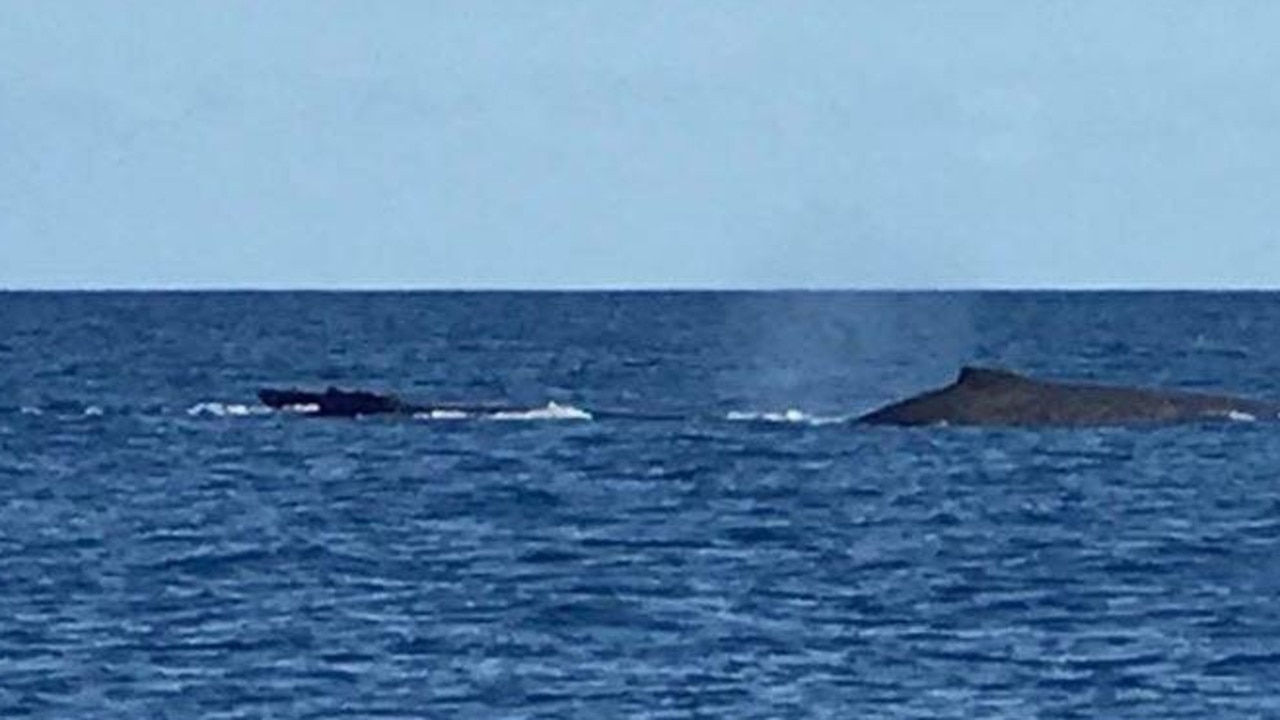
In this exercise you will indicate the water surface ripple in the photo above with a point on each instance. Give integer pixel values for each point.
(663, 562)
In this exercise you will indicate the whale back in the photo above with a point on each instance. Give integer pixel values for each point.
(986, 378)
(993, 396)
(333, 401)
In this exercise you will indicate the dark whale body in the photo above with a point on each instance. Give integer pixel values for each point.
(984, 396)
(979, 396)
(334, 402)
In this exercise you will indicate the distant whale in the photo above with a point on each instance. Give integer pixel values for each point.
(987, 396)
(334, 402)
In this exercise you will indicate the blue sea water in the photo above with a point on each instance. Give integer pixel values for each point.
(716, 541)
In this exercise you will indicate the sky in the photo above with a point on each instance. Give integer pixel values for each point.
(645, 144)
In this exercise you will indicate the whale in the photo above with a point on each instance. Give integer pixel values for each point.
(979, 396)
(986, 396)
(336, 402)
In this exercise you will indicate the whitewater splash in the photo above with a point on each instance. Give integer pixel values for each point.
(552, 411)
(442, 415)
(87, 411)
(790, 415)
(219, 409)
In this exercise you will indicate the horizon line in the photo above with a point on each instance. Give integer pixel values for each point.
(637, 289)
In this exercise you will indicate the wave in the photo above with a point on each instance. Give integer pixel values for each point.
(85, 411)
(220, 409)
(301, 408)
(443, 415)
(552, 411)
(790, 415)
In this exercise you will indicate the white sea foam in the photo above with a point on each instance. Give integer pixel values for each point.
(790, 415)
(218, 409)
(29, 410)
(302, 408)
(553, 411)
(443, 414)
(1237, 416)
(93, 411)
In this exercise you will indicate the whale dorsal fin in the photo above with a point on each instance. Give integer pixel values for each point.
(980, 377)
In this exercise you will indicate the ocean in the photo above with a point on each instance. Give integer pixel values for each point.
(675, 517)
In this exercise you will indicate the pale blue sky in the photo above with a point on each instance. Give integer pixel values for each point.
(639, 144)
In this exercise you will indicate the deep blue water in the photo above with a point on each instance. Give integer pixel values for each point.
(693, 551)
